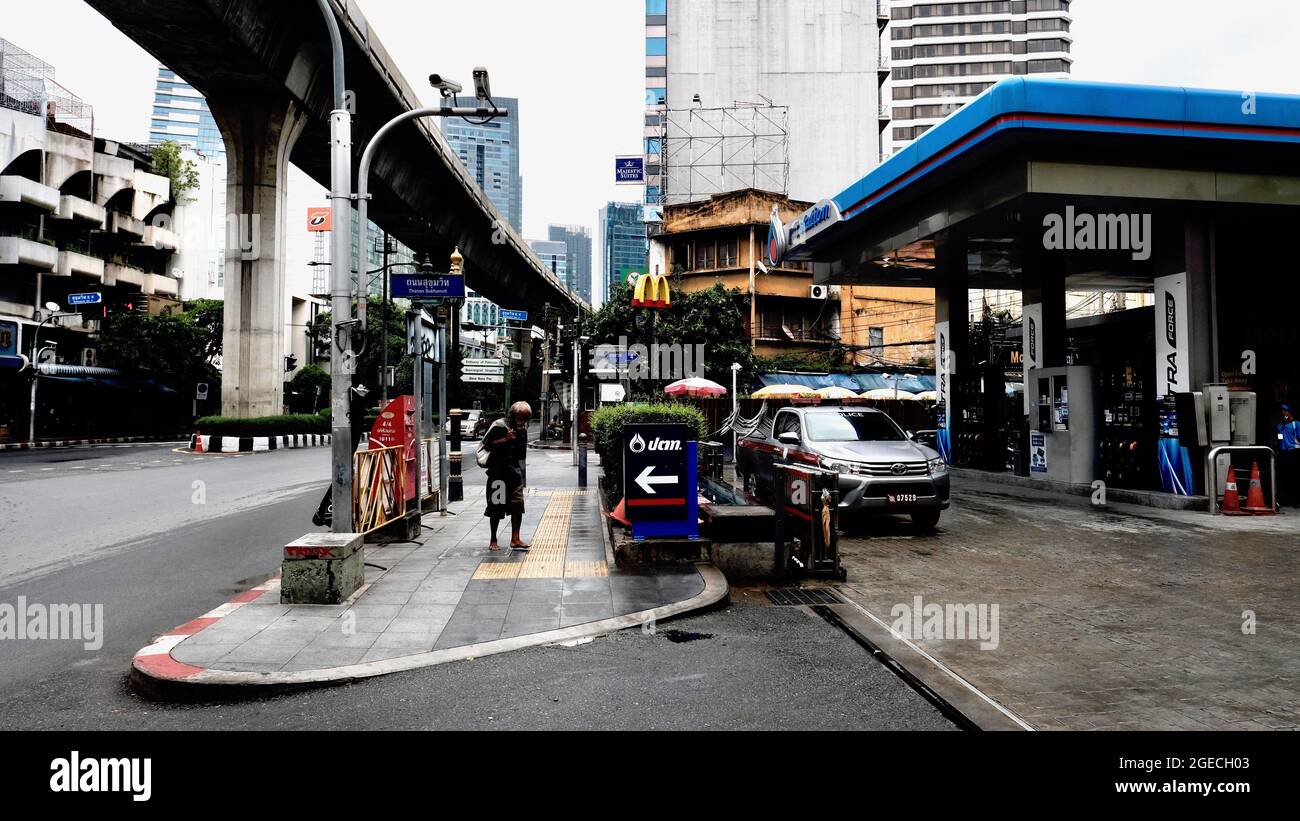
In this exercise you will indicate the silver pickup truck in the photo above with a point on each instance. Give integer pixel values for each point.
(882, 471)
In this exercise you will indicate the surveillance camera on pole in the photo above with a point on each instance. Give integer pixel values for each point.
(482, 88)
(445, 86)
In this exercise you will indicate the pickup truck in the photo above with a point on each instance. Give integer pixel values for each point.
(882, 470)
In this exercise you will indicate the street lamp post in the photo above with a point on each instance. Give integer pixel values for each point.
(342, 362)
(53, 309)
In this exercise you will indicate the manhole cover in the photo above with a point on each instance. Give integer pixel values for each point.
(795, 596)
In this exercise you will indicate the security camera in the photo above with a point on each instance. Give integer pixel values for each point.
(448, 88)
(482, 89)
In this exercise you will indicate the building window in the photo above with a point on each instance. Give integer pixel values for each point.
(704, 256)
(656, 46)
(876, 342)
(727, 254)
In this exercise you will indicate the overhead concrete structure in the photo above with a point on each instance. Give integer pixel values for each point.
(265, 69)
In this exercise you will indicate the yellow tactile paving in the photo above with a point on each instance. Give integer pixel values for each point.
(497, 570)
(585, 570)
(546, 560)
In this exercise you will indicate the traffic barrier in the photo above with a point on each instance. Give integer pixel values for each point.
(198, 442)
(1231, 499)
(1255, 497)
(379, 487)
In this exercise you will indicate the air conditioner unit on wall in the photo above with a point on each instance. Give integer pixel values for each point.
(819, 291)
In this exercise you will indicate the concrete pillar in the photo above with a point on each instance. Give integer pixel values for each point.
(1044, 285)
(1202, 341)
(260, 135)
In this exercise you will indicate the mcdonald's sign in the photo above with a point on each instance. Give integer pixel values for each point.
(652, 291)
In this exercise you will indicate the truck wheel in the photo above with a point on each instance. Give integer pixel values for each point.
(925, 519)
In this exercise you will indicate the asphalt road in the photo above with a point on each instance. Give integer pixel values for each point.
(119, 527)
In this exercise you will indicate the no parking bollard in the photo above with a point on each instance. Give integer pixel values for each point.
(455, 481)
(582, 460)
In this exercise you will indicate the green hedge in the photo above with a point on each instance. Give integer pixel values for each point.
(607, 430)
(265, 425)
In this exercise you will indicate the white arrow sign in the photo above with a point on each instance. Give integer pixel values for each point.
(647, 481)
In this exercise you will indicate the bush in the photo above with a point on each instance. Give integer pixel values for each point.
(607, 430)
(265, 425)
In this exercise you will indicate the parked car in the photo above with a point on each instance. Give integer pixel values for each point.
(882, 470)
(473, 424)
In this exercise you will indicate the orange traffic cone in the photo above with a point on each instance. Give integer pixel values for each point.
(1231, 499)
(1255, 498)
(198, 442)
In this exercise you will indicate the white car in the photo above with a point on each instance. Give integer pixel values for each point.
(469, 424)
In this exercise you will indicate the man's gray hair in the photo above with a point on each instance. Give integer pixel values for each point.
(519, 409)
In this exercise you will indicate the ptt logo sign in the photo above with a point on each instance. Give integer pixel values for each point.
(319, 219)
(811, 223)
(640, 445)
(652, 291)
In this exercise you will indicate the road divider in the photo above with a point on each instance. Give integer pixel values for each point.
(256, 444)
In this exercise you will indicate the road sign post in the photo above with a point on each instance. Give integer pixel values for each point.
(660, 482)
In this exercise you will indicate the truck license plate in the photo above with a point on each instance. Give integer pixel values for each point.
(901, 498)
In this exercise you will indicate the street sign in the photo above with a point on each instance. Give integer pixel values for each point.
(660, 485)
(484, 370)
(320, 220)
(481, 363)
(514, 316)
(201, 391)
(85, 299)
(480, 379)
(629, 170)
(428, 286)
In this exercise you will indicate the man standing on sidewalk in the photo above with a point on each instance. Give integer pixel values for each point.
(507, 442)
(1288, 440)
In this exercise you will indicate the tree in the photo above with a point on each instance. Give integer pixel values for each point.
(385, 325)
(170, 163)
(181, 349)
(713, 318)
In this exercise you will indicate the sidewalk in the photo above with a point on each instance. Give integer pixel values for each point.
(443, 599)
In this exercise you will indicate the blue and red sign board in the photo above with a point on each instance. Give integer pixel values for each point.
(661, 481)
(428, 286)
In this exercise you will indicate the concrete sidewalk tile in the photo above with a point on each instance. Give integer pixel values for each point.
(470, 633)
(483, 593)
(200, 654)
(444, 584)
(421, 625)
(219, 633)
(511, 629)
(414, 642)
(272, 653)
(247, 666)
(424, 597)
(536, 596)
(427, 611)
(331, 639)
(480, 612)
(533, 612)
(323, 659)
(571, 614)
(405, 583)
(378, 596)
(368, 609)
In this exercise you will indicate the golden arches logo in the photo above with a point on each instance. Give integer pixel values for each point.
(652, 291)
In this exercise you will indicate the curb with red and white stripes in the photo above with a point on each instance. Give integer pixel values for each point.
(156, 674)
(156, 660)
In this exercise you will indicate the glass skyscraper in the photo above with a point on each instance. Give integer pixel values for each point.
(181, 114)
(490, 153)
(656, 97)
(621, 247)
(577, 241)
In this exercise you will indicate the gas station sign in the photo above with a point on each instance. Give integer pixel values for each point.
(660, 482)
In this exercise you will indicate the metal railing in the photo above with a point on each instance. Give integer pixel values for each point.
(379, 491)
(1213, 473)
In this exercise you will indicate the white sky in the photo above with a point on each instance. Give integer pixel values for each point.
(577, 67)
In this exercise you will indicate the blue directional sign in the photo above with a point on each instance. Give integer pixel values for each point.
(660, 481)
(85, 299)
(428, 286)
(629, 170)
(514, 316)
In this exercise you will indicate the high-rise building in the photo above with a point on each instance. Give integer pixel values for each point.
(620, 247)
(797, 80)
(554, 256)
(490, 152)
(182, 115)
(577, 242)
(943, 55)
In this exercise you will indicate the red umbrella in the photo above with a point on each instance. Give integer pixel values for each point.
(695, 386)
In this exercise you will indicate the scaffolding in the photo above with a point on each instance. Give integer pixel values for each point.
(707, 151)
(27, 85)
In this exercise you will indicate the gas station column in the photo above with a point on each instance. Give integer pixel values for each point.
(952, 332)
(1043, 298)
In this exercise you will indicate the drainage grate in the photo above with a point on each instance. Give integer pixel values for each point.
(795, 596)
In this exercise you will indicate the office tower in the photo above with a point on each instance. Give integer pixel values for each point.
(577, 242)
(620, 247)
(180, 114)
(943, 55)
(490, 152)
